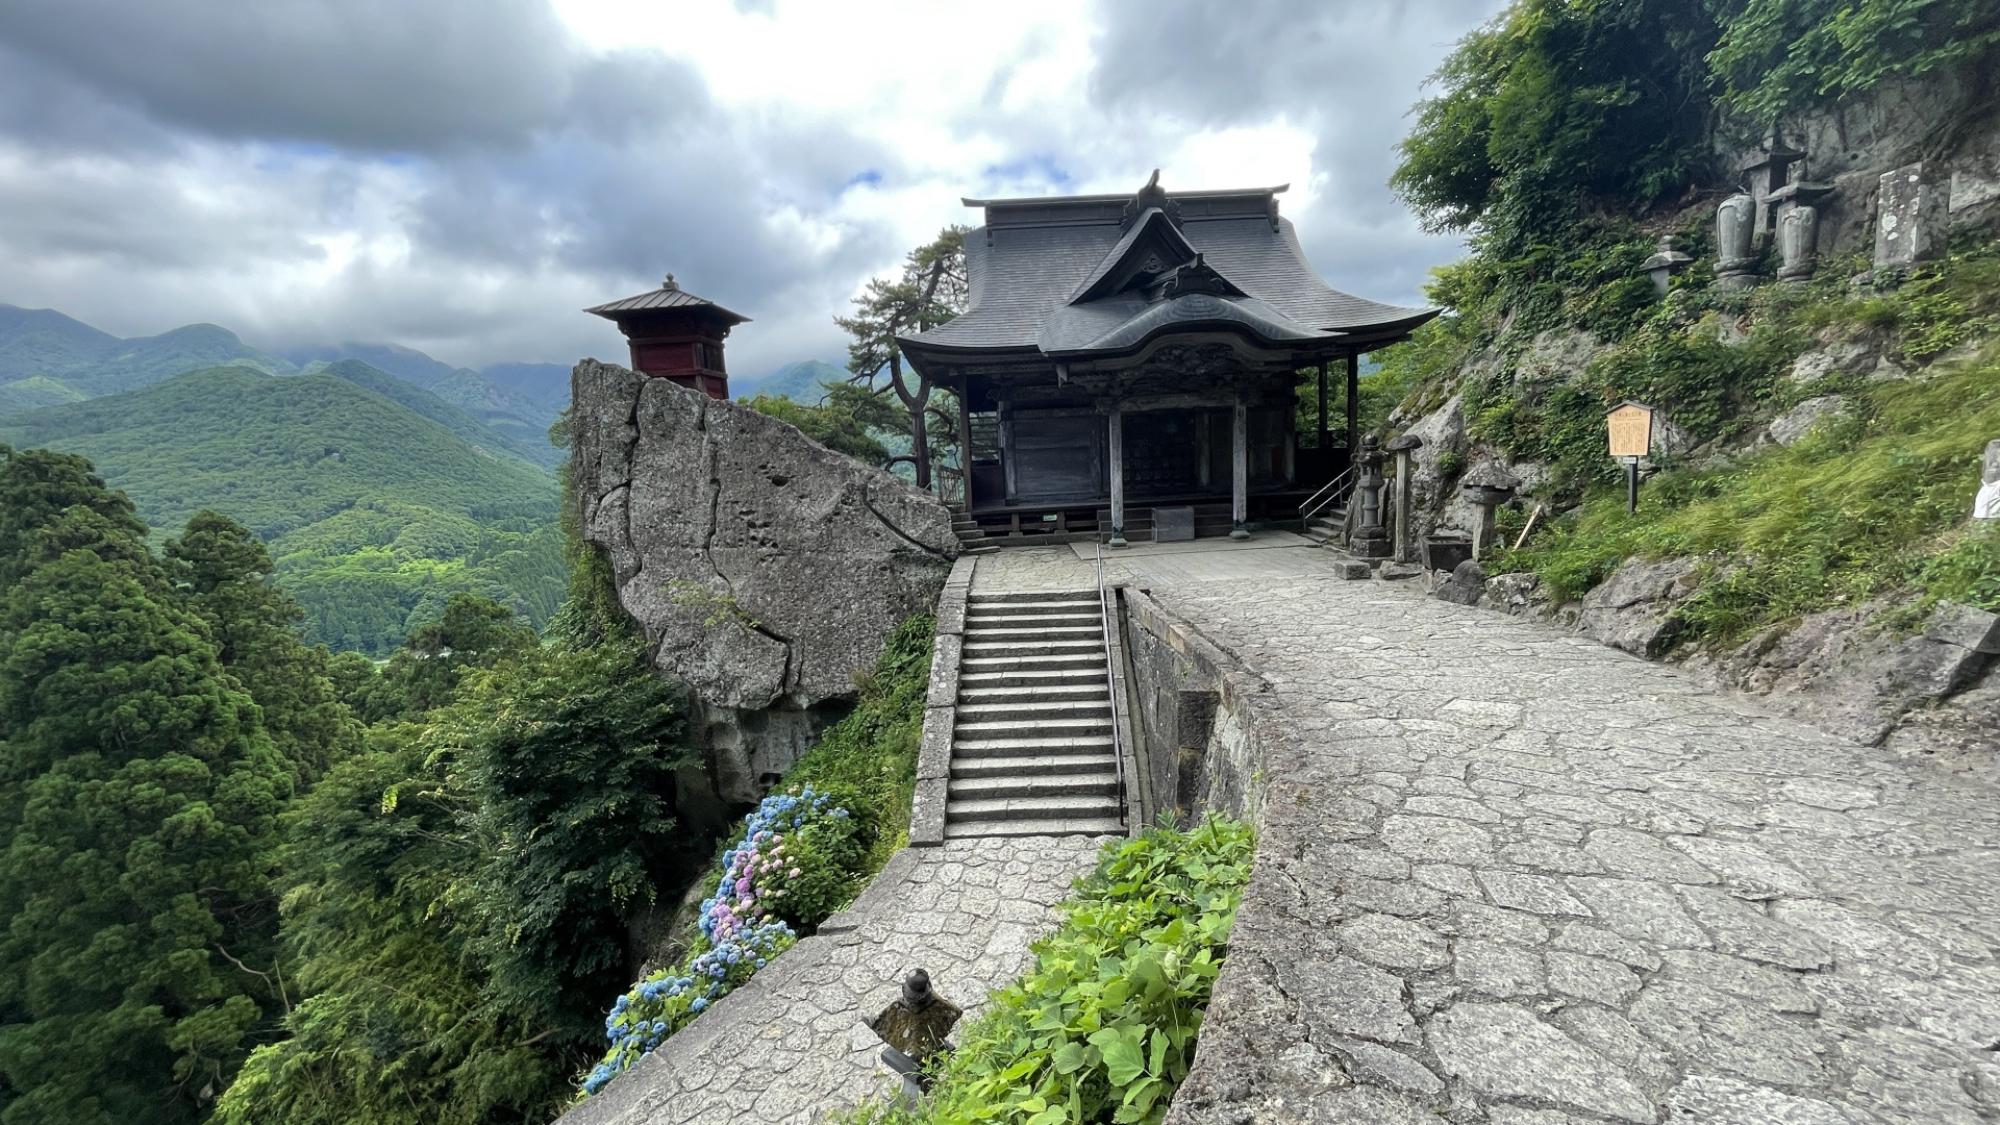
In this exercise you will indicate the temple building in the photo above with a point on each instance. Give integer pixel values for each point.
(1124, 353)
(675, 335)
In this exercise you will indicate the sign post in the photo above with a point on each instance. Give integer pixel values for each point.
(1629, 429)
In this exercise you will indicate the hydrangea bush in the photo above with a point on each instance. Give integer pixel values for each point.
(798, 858)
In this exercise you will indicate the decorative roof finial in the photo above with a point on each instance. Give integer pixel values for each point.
(1149, 197)
(670, 283)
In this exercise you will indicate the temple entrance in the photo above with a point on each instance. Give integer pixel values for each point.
(1163, 452)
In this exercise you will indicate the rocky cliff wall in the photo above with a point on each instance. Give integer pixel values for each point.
(765, 569)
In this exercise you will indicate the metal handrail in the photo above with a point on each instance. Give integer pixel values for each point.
(1111, 686)
(1324, 498)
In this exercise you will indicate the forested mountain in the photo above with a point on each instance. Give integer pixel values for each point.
(45, 345)
(521, 402)
(800, 381)
(378, 500)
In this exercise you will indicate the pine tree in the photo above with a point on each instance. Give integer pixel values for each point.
(227, 574)
(138, 801)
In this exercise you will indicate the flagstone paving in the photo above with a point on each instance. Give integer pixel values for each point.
(789, 1046)
(1508, 875)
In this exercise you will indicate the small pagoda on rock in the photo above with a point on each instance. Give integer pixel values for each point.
(1145, 347)
(675, 335)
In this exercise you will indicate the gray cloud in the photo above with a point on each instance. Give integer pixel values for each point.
(223, 172)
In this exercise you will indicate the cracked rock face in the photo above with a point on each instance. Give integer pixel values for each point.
(766, 570)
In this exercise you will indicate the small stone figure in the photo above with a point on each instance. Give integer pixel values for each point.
(1735, 252)
(1667, 261)
(1371, 539)
(1986, 506)
(914, 1026)
(1798, 233)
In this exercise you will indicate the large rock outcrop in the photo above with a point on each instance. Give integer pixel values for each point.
(766, 569)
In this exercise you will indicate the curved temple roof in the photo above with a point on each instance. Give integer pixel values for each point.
(1085, 277)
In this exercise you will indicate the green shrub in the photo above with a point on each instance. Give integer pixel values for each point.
(1103, 1028)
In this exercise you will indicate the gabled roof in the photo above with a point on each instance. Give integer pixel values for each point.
(668, 296)
(1078, 276)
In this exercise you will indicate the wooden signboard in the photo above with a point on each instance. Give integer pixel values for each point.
(1630, 427)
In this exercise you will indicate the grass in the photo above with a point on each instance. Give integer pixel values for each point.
(1875, 502)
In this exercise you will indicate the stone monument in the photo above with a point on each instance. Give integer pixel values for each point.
(1735, 246)
(1405, 542)
(1488, 485)
(1986, 506)
(1798, 252)
(1909, 220)
(1667, 261)
(1371, 539)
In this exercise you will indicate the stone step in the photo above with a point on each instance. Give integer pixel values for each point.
(1031, 808)
(1015, 711)
(1092, 673)
(1032, 632)
(1032, 596)
(1011, 765)
(1070, 826)
(982, 648)
(1005, 735)
(1087, 618)
(1094, 688)
(1076, 603)
(1095, 784)
(1033, 659)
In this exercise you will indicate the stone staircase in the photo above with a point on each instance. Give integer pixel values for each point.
(1032, 752)
(1328, 526)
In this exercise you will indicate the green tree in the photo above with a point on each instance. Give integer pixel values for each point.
(846, 420)
(138, 803)
(931, 289)
(227, 574)
(471, 632)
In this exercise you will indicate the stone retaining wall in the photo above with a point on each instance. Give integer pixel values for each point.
(1196, 752)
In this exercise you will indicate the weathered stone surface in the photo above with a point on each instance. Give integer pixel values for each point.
(1511, 593)
(1793, 424)
(1465, 586)
(1632, 609)
(789, 1046)
(1910, 217)
(1502, 1050)
(765, 569)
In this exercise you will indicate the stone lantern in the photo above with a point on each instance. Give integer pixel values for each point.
(1667, 261)
(1488, 485)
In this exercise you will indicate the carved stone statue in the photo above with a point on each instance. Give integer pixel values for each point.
(1798, 231)
(1735, 251)
(916, 1022)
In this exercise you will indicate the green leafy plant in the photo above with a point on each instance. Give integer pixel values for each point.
(1103, 1028)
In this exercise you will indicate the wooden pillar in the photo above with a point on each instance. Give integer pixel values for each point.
(1116, 455)
(1291, 455)
(1239, 467)
(1353, 405)
(1007, 451)
(1203, 428)
(965, 440)
(1325, 460)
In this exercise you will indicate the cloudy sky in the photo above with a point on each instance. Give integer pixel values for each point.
(462, 176)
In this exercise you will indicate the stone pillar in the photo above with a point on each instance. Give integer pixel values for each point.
(1735, 250)
(1007, 451)
(1371, 539)
(1798, 234)
(1909, 220)
(1116, 455)
(1405, 542)
(1239, 470)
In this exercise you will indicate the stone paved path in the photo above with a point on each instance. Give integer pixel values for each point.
(1511, 876)
(789, 1046)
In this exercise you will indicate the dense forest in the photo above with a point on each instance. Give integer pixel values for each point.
(378, 500)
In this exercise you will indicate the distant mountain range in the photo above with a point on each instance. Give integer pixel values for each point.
(383, 480)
